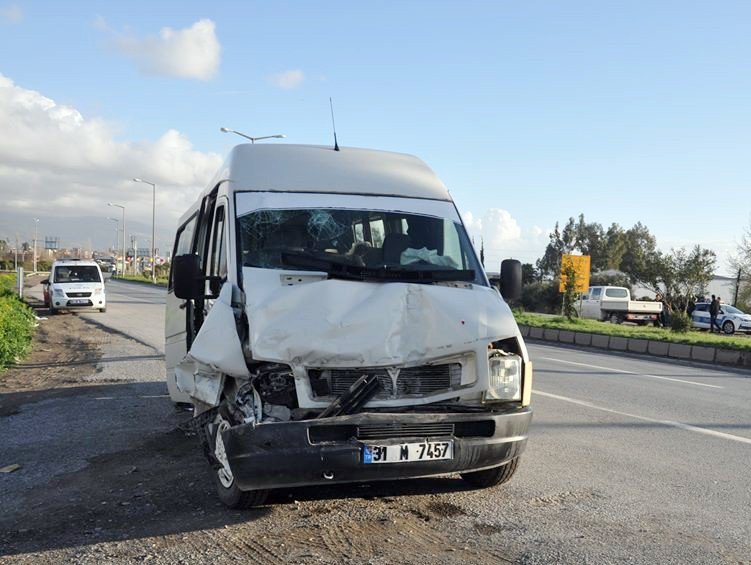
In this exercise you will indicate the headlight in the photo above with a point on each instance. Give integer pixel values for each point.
(505, 376)
(58, 292)
(97, 291)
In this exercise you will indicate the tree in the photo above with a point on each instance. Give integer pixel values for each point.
(529, 273)
(569, 291)
(679, 275)
(639, 258)
(615, 247)
(740, 262)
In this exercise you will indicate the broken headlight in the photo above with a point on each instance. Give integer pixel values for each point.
(504, 376)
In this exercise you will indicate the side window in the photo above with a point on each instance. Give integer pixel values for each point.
(183, 241)
(218, 245)
(701, 308)
(377, 232)
(596, 292)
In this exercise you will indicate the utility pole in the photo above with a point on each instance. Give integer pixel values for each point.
(153, 228)
(36, 226)
(737, 286)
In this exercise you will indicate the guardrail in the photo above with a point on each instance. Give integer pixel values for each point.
(684, 351)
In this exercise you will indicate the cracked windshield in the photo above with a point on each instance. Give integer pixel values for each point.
(364, 238)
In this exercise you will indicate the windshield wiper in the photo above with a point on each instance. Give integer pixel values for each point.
(348, 271)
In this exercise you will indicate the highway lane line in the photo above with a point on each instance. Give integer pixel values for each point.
(670, 423)
(131, 396)
(625, 372)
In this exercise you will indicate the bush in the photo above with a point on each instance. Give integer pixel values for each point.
(7, 284)
(541, 297)
(680, 322)
(16, 329)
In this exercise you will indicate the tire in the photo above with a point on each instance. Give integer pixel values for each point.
(728, 328)
(53, 311)
(226, 486)
(103, 310)
(492, 477)
(615, 318)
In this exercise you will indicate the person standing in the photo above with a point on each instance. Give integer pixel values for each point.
(714, 308)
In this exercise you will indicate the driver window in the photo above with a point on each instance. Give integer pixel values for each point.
(218, 252)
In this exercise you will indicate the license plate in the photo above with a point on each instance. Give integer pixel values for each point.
(78, 301)
(406, 452)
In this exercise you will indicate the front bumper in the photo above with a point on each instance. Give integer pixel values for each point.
(326, 451)
(94, 302)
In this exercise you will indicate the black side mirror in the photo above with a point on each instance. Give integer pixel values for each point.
(187, 277)
(511, 279)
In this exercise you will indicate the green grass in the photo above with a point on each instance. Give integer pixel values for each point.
(16, 323)
(160, 281)
(693, 337)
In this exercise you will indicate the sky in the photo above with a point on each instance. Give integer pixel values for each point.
(530, 112)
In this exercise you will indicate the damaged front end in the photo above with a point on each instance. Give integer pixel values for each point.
(307, 394)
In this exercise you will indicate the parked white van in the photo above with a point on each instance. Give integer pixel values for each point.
(329, 321)
(75, 285)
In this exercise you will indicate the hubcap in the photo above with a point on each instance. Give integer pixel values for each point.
(225, 473)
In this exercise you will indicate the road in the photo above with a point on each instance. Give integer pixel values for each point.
(629, 460)
(136, 310)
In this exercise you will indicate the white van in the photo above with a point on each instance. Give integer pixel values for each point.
(75, 285)
(329, 321)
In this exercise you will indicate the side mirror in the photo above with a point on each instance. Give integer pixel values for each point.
(511, 279)
(187, 277)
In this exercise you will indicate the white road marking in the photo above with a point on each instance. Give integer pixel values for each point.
(625, 372)
(671, 423)
(135, 396)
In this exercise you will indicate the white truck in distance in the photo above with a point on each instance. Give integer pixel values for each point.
(614, 303)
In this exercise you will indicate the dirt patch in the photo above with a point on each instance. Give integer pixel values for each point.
(64, 349)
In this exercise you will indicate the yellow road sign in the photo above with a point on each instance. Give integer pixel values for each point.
(580, 263)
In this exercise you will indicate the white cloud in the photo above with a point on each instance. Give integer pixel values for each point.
(193, 52)
(288, 80)
(504, 238)
(12, 13)
(58, 164)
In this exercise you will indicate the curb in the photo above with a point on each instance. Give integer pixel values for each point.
(646, 347)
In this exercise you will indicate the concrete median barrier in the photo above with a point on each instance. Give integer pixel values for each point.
(640, 346)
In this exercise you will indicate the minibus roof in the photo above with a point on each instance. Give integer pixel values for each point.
(311, 168)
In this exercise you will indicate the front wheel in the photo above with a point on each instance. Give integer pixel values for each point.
(492, 477)
(226, 486)
(728, 327)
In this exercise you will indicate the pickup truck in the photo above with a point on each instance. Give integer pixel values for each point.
(614, 303)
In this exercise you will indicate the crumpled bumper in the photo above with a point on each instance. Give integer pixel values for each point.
(330, 450)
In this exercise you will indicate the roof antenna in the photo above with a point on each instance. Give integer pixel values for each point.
(333, 124)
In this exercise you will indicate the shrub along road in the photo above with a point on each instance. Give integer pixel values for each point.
(629, 460)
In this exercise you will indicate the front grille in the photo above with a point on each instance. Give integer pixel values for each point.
(365, 432)
(78, 294)
(387, 431)
(410, 381)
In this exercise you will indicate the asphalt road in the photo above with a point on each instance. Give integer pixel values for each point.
(136, 310)
(629, 460)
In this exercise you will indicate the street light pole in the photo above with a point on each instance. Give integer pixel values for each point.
(36, 225)
(253, 139)
(153, 227)
(123, 209)
(117, 236)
